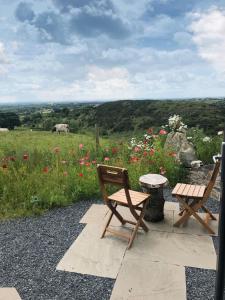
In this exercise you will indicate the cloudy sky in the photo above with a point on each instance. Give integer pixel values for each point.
(71, 50)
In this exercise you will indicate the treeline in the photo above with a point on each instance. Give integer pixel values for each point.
(126, 115)
(9, 120)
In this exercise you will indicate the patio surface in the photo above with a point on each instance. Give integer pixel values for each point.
(60, 256)
(154, 268)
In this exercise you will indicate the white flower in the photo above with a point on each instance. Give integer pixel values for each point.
(206, 139)
(189, 137)
(220, 133)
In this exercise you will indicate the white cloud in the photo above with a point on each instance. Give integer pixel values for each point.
(3, 58)
(209, 35)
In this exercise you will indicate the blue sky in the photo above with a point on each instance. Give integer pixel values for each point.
(73, 50)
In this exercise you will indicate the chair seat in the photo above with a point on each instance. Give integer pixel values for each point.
(136, 197)
(189, 190)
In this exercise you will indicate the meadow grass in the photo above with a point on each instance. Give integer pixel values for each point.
(41, 170)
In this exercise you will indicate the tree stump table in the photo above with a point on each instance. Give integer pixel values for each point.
(153, 184)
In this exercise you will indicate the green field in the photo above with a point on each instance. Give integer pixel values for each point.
(41, 170)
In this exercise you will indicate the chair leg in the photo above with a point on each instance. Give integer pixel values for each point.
(133, 234)
(209, 212)
(107, 224)
(115, 212)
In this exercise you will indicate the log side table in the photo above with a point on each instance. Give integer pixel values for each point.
(153, 184)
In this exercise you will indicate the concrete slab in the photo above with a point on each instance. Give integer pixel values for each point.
(89, 254)
(142, 279)
(171, 206)
(9, 294)
(95, 214)
(194, 227)
(177, 249)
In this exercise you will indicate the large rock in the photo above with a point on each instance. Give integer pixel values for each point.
(177, 142)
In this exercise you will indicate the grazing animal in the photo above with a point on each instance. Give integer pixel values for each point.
(4, 129)
(61, 128)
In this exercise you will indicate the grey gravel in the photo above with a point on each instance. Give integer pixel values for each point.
(30, 250)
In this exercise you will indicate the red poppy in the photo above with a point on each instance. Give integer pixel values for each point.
(106, 158)
(162, 132)
(81, 174)
(114, 150)
(145, 153)
(12, 158)
(134, 159)
(87, 164)
(25, 157)
(45, 170)
(151, 152)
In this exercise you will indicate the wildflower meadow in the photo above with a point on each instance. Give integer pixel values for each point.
(41, 170)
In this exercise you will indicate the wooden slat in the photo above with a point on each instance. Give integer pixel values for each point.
(174, 191)
(180, 190)
(201, 191)
(191, 190)
(196, 190)
(186, 190)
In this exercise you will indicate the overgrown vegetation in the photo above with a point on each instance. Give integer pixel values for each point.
(40, 170)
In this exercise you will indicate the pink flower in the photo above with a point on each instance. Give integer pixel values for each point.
(82, 162)
(81, 146)
(173, 154)
(137, 149)
(162, 132)
(162, 170)
(94, 162)
(150, 131)
(106, 158)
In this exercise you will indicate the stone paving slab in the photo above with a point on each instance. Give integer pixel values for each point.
(98, 213)
(95, 214)
(142, 279)
(89, 254)
(194, 227)
(172, 248)
(9, 294)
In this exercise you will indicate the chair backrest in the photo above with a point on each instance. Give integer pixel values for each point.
(114, 176)
(212, 180)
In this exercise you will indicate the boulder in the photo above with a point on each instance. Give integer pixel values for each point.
(185, 152)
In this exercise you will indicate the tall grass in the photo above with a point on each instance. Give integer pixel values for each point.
(41, 170)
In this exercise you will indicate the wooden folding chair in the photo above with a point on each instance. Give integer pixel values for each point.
(194, 197)
(135, 201)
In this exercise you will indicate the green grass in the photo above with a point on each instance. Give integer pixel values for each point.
(41, 170)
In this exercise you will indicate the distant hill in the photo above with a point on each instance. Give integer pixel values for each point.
(133, 115)
(125, 115)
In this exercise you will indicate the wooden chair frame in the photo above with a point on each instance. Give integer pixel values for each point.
(197, 203)
(119, 176)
